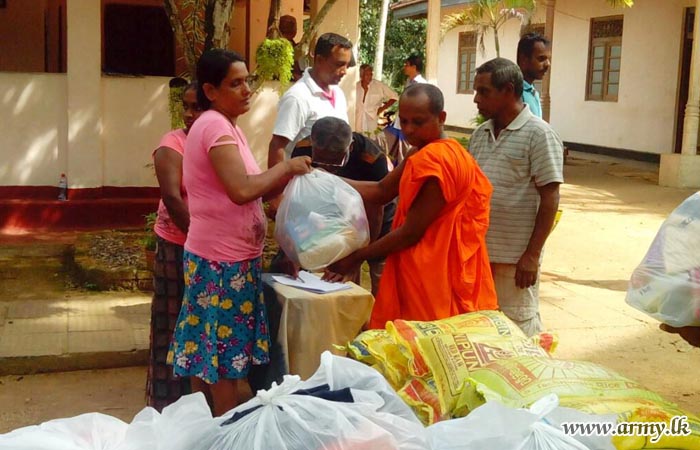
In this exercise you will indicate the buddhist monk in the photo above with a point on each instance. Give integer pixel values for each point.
(436, 260)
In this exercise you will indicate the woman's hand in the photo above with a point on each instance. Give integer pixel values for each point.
(343, 270)
(299, 165)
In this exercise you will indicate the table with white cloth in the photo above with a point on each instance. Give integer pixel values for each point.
(304, 324)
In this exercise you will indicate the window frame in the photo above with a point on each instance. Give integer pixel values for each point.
(607, 43)
(470, 52)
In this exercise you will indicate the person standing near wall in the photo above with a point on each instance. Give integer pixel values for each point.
(523, 158)
(534, 56)
(373, 98)
(170, 228)
(222, 329)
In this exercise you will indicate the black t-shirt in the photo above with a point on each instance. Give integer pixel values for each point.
(366, 162)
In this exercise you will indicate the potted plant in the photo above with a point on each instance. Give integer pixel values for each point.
(149, 240)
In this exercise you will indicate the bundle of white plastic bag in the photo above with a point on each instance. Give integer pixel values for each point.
(494, 426)
(296, 415)
(321, 219)
(666, 285)
(292, 415)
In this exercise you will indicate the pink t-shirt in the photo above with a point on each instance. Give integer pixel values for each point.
(165, 227)
(220, 230)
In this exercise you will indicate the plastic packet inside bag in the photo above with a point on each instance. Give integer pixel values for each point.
(321, 219)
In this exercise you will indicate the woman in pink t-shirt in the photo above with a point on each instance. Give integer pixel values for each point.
(162, 388)
(222, 328)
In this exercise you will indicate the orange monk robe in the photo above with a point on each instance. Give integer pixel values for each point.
(447, 272)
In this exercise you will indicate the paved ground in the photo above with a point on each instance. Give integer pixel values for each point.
(611, 213)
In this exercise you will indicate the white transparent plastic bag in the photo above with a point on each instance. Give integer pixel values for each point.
(278, 419)
(92, 431)
(666, 285)
(321, 219)
(494, 426)
(186, 424)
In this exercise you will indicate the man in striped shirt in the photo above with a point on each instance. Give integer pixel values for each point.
(523, 158)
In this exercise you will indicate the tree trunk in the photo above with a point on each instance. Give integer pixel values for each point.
(313, 27)
(495, 40)
(381, 36)
(223, 12)
(273, 19)
(180, 34)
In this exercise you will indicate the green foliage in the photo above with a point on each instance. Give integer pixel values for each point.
(149, 239)
(275, 60)
(489, 15)
(403, 38)
(175, 107)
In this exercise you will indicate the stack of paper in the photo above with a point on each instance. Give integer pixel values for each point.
(310, 282)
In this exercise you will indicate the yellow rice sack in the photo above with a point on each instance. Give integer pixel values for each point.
(378, 349)
(451, 358)
(520, 381)
(421, 395)
(406, 333)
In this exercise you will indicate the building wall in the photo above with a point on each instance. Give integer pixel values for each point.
(461, 110)
(100, 130)
(33, 142)
(643, 118)
(135, 117)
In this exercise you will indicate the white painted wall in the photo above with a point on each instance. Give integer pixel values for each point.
(33, 141)
(643, 118)
(135, 116)
(461, 110)
(101, 130)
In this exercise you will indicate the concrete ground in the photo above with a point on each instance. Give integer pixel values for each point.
(612, 211)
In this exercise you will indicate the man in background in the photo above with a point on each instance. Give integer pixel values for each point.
(534, 56)
(373, 98)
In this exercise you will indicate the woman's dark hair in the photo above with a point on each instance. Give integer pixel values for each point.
(212, 68)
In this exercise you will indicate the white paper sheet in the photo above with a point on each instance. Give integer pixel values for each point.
(310, 282)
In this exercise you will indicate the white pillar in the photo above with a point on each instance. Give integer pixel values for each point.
(381, 37)
(433, 41)
(684, 170)
(549, 33)
(84, 81)
(692, 108)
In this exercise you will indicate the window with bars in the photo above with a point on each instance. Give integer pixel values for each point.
(605, 58)
(466, 60)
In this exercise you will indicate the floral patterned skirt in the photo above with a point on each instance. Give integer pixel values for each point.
(222, 328)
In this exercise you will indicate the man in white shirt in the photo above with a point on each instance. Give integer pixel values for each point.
(412, 68)
(373, 98)
(315, 95)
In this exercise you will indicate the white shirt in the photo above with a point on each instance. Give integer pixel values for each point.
(302, 105)
(527, 153)
(418, 79)
(368, 104)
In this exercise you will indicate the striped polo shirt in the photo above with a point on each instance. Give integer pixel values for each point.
(527, 154)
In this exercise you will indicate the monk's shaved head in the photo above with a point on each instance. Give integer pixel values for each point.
(436, 101)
